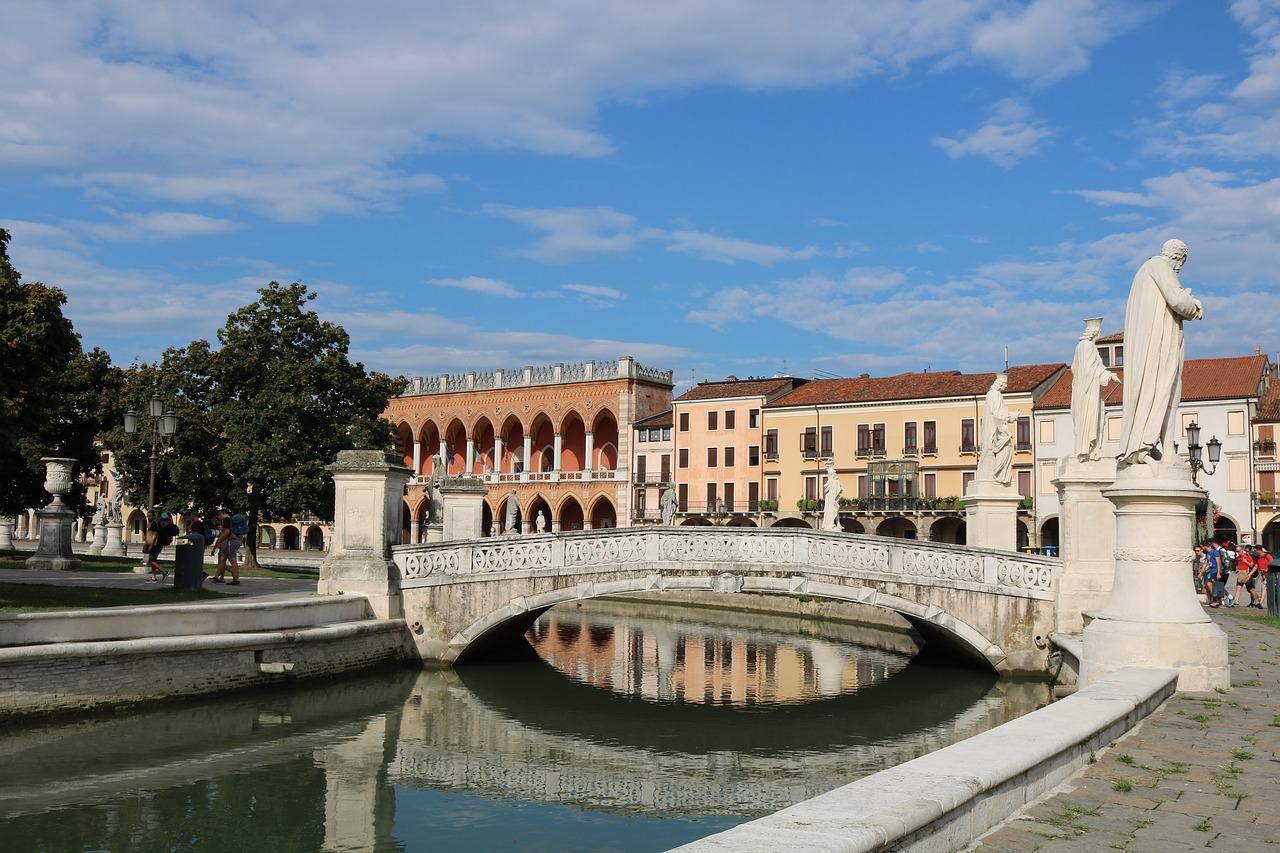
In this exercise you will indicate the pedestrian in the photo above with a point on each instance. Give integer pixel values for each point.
(1216, 574)
(1263, 558)
(160, 533)
(221, 522)
(1247, 574)
(234, 530)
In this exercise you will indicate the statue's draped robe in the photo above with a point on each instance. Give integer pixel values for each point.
(1088, 375)
(1153, 350)
(831, 504)
(996, 461)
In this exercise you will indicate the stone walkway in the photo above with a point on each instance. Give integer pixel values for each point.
(1201, 773)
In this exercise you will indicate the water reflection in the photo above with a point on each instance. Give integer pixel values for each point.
(703, 727)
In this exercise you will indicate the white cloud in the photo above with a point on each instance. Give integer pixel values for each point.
(1047, 40)
(488, 286)
(1009, 137)
(128, 227)
(573, 234)
(728, 249)
(594, 294)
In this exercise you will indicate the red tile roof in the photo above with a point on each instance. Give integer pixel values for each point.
(916, 386)
(1269, 405)
(728, 389)
(1202, 379)
(662, 419)
(1113, 338)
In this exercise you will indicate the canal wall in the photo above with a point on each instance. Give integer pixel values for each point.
(941, 802)
(67, 662)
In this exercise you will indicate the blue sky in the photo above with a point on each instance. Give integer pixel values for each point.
(717, 187)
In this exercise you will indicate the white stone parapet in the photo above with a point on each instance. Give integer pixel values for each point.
(553, 374)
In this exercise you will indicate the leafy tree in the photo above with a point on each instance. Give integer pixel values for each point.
(53, 396)
(260, 416)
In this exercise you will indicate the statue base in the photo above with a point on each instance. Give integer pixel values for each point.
(1087, 522)
(1153, 616)
(54, 551)
(99, 539)
(991, 515)
(463, 502)
(6, 534)
(114, 546)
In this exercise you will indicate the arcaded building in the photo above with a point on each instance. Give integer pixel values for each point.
(557, 439)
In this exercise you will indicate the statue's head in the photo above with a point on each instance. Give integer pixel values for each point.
(1092, 328)
(1176, 252)
(1002, 381)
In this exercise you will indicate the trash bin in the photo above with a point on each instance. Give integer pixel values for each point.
(188, 563)
(1273, 581)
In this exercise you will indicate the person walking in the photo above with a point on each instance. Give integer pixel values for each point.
(1247, 574)
(160, 533)
(234, 530)
(221, 524)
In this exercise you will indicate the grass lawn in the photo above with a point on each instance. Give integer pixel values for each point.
(90, 563)
(28, 597)
(1253, 615)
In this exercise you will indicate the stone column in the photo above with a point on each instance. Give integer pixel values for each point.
(6, 533)
(56, 520)
(470, 465)
(528, 457)
(1087, 523)
(417, 458)
(991, 515)
(463, 500)
(115, 540)
(369, 503)
(415, 531)
(99, 538)
(1153, 616)
(497, 454)
(587, 464)
(559, 447)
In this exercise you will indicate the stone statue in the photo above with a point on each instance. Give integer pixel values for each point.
(114, 507)
(100, 511)
(1154, 346)
(437, 479)
(511, 513)
(669, 505)
(541, 522)
(831, 499)
(995, 460)
(1088, 377)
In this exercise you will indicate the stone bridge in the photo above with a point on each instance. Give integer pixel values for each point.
(994, 607)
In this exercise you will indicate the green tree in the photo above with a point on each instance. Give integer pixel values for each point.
(53, 396)
(262, 414)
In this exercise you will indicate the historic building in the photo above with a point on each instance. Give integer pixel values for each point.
(1221, 396)
(651, 466)
(557, 440)
(1266, 465)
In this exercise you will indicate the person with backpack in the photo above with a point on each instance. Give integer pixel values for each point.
(160, 534)
(1247, 574)
(234, 530)
(1215, 574)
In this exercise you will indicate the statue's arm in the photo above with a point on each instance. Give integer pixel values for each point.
(1179, 298)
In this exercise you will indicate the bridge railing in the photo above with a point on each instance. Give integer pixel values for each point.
(727, 548)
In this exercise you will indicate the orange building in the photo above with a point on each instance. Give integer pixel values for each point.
(559, 437)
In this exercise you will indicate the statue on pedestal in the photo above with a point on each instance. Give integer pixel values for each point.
(1154, 346)
(1088, 377)
(511, 513)
(669, 505)
(433, 487)
(831, 499)
(995, 459)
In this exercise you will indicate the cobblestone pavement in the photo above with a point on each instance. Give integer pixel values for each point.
(1201, 773)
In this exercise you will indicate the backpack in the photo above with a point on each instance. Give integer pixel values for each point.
(165, 533)
(239, 524)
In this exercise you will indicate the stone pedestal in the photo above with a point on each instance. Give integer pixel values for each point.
(463, 500)
(1087, 523)
(368, 507)
(114, 546)
(99, 539)
(435, 533)
(6, 534)
(1153, 616)
(56, 520)
(991, 515)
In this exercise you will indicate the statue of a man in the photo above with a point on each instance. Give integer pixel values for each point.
(995, 461)
(669, 505)
(1153, 344)
(114, 506)
(1088, 377)
(541, 522)
(437, 479)
(511, 512)
(831, 499)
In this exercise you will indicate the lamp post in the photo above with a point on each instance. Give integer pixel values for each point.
(1194, 451)
(163, 426)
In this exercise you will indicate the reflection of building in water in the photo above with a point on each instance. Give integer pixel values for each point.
(702, 664)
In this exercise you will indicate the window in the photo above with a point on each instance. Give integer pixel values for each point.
(864, 439)
(711, 457)
(965, 479)
(1048, 432)
(909, 438)
(713, 419)
(753, 456)
(657, 434)
(809, 442)
(753, 496)
(641, 465)
(771, 445)
(666, 467)
(711, 497)
(728, 497)
(771, 488)
(1119, 356)
(1187, 419)
(826, 441)
(730, 419)
(862, 486)
(967, 442)
(682, 497)
(684, 421)
(1104, 353)
(930, 485)
(811, 488)
(753, 419)
(684, 457)
(1235, 423)
(666, 433)
(642, 435)
(877, 440)
(729, 457)
(930, 436)
(1024, 434)
(1024, 483)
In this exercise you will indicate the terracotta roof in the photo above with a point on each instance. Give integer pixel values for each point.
(915, 386)
(766, 388)
(1113, 338)
(1202, 379)
(662, 419)
(1269, 405)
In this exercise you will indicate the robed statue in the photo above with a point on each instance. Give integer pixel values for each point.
(1088, 377)
(831, 499)
(995, 459)
(1154, 346)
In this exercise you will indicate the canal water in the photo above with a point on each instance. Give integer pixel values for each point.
(627, 727)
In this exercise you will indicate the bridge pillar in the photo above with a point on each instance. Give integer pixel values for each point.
(369, 487)
(1154, 616)
(991, 515)
(463, 499)
(1088, 525)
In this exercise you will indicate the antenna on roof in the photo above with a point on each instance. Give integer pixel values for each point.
(1006, 359)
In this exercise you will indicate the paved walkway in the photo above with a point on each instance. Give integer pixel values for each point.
(126, 580)
(1201, 773)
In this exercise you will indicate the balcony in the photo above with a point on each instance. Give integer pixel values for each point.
(1265, 448)
(649, 478)
(968, 449)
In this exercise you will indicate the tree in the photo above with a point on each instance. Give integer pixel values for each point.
(261, 416)
(53, 396)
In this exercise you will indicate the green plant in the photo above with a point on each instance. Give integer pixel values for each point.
(1124, 786)
(1203, 826)
(767, 505)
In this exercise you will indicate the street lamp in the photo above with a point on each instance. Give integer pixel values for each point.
(163, 426)
(1193, 449)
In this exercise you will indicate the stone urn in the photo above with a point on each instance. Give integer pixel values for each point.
(56, 519)
(57, 476)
